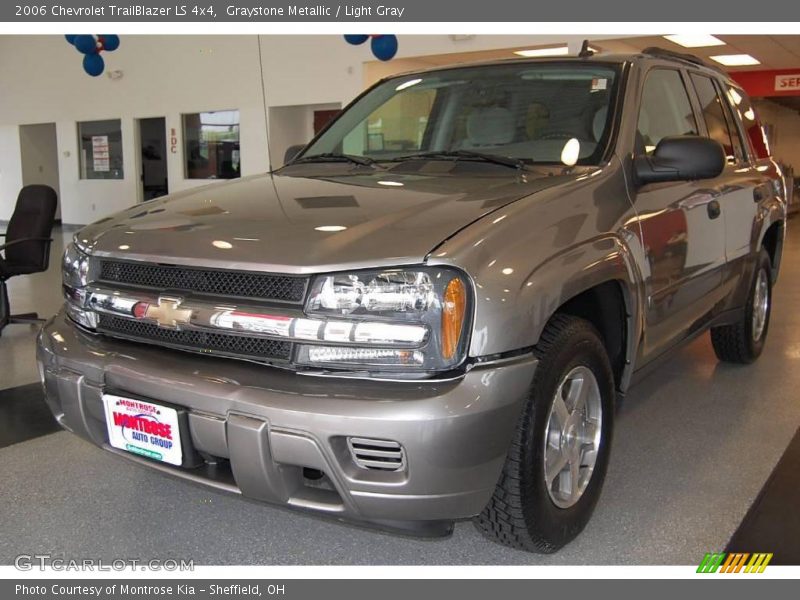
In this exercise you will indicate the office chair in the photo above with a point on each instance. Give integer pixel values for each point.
(27, 244)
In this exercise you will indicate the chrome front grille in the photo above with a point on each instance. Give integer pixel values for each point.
(379, 455)
(222, 344)
(229, 284)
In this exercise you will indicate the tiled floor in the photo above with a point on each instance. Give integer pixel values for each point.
(694, 444)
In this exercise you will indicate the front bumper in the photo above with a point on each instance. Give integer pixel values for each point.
(261, 429)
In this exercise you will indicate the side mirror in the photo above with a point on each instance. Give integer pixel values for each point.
(681, 158)
(292, 152)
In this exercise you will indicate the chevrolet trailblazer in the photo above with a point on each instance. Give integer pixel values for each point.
(430, 312)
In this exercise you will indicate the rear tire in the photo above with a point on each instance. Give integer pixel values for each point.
(742, 342)
(533, 509)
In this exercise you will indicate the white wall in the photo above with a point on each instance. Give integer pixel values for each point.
(162, 76)
(10, 169)
(170, 75)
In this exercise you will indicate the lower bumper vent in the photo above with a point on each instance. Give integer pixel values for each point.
(377, 455)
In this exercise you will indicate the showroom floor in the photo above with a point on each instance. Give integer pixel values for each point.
(695, 443)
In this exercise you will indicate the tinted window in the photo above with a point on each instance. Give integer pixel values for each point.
(752, 126)
(714, 115)
(665, 109)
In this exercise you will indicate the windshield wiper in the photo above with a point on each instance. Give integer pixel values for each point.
(364, 161)
(506, 161)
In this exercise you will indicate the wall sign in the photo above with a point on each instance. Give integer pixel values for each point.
(173, 141)
(786, 83)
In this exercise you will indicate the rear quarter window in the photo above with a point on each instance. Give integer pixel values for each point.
(743, 108)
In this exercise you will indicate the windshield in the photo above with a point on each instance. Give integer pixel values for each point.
(536, 113)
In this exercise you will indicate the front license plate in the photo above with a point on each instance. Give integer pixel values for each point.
(143, 428)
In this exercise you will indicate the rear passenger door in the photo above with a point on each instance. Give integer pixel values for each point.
(739, 184)
(682, 230)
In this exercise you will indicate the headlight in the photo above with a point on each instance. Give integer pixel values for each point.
(394, 319)
(74, 277)
(75, 267)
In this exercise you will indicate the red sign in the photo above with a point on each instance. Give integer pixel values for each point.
(760, 84)
(785, 83)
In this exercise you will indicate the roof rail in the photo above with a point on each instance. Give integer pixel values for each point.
(683, 56)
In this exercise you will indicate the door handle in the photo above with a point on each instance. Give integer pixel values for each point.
(713, 209)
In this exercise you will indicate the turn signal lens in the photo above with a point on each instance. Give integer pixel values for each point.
(454, 304)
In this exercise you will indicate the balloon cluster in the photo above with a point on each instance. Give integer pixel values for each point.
(91, 46)
(384, 47)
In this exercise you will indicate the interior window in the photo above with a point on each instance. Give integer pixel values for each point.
(752, 126)
(739, 144)
(211, 145)
(100, 144)
(714, 114)
(665, 110)
(396, 126)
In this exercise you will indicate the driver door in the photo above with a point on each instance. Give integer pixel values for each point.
(683, 232)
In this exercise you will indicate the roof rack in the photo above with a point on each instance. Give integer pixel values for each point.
(683, 56)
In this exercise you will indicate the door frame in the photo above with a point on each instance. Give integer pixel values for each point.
(137, 154)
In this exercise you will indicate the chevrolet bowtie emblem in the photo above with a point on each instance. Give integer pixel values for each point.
(167, 313)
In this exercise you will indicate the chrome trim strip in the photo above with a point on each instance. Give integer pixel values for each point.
(187, 313)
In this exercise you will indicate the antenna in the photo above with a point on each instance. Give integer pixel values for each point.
(585, 52)
(264, 99)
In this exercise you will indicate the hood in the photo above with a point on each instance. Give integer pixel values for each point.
(368, 218)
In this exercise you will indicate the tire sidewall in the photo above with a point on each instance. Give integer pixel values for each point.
(561, 525)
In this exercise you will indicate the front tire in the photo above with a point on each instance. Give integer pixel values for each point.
(742, 342)
(557, 462)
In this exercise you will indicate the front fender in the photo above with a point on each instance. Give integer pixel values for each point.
(528, 259)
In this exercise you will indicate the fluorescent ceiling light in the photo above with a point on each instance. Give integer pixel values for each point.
(332, 228)
(552, 51)
(694, 40)
(736, 60)
(534, 52)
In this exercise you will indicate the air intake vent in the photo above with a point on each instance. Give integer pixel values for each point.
(377, 455)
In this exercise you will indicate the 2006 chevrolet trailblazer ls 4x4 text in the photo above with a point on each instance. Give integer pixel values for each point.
(429, 313)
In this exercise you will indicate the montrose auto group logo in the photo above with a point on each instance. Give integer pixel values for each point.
(144, 426)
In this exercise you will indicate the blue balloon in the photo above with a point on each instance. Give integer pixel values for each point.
(356, 40)
(384, 47)
(71, 38)
(110, 41)
(93, 64)
(86, 44)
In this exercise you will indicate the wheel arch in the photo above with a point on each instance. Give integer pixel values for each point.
(603, 288)
(772, 241)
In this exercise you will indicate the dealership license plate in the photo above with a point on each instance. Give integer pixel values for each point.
(143, 428)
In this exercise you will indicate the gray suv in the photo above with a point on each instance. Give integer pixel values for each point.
(430, 313)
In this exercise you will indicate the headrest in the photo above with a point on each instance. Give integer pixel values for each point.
(599, 122)
(490, 126)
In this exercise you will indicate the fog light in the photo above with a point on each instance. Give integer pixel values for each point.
(363, 356)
